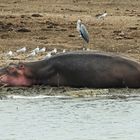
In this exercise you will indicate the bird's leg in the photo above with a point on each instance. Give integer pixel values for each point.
(84, 45)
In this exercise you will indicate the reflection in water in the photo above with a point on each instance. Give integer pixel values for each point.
(70, 119)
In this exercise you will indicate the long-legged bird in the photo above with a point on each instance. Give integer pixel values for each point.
(81, 28)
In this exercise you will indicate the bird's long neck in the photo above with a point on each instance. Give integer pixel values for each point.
(78, 26)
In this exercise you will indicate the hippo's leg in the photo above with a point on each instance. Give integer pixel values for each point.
(44, 75)
(57, 79)
(47, 72)
(50, 75)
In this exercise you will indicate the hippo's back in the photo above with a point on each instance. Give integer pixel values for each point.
(97, 70)
(92, 59)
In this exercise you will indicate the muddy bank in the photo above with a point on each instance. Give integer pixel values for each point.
(66, 92)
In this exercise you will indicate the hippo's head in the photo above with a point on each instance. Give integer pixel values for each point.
(15, 75)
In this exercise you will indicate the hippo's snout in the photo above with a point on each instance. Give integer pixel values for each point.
(3, 77)
(13, 76)
(2, 80)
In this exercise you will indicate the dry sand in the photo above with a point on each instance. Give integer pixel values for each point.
(52, 24)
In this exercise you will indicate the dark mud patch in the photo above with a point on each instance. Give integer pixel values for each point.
(6, 92)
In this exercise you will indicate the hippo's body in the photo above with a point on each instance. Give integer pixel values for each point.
(75, 69)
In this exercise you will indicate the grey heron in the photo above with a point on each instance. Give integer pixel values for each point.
(81, 28)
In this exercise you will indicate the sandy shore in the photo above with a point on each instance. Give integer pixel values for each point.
(52, 24)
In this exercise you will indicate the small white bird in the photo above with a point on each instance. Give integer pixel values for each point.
(64, 50)
(48, 55)
(36, 50)
(81, 28)
(88, 49)
(10, 53)
(42, 50)
(21, 50)
(103, 15)
(54, 51)
(32, 54)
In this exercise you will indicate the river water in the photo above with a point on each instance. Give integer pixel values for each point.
(64, 118)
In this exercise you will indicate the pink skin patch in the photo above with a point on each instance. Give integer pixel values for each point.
(7, 80)
(14, 77)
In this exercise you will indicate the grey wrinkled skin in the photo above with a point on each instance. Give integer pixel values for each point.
(81, 69)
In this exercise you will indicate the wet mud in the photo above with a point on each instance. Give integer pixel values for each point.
(66, 92)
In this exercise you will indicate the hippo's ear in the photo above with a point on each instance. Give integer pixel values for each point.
(21, 66)
(12, 64)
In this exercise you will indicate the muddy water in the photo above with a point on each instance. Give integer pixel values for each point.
(69, 114)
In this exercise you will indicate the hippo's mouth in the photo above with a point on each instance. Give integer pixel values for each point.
(14, 76)
(3, 83)
(10, 80)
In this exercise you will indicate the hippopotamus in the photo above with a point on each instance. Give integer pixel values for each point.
(75, 69)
